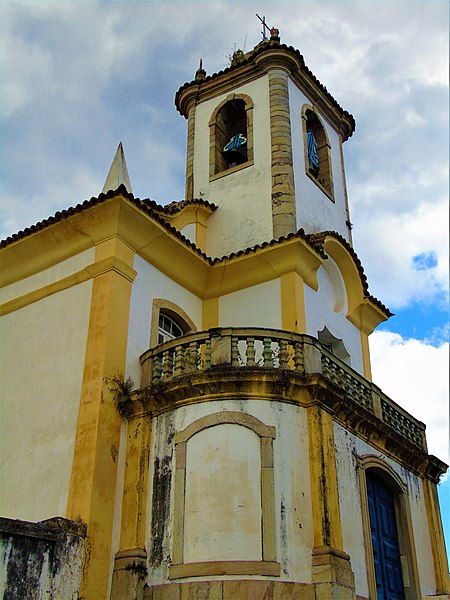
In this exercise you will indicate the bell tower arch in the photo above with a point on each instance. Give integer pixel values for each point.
(253, 129)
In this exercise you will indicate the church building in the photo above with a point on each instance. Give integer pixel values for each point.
(188, 410)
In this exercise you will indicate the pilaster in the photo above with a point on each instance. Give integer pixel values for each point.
(293, 314)
(437, 538)
(283, 191)
(331, 568)
(94, 468)
(130, 564)
(190, 153)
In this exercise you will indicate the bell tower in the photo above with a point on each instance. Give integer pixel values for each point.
(265, 145)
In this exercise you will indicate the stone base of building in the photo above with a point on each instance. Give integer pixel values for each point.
(248, 590)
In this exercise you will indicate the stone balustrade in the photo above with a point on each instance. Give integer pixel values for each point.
(253, 348)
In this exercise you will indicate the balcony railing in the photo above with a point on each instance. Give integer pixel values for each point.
(244, 348)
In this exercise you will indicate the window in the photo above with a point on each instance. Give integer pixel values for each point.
(168, 329)
(169, 321)
(231, 134)
(317, 151)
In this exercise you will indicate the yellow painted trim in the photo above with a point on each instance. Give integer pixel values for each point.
(293, 313)
(93, 270)
(436, 537)
(200, 236)
(324, 482)
(173, 310)
(362, 312)
(47, 290)
(367, 369)
(210, 313)
(232, 567)
(178, 260)
(132, 531)
(94, 468)
(264, 265)
(159, 248)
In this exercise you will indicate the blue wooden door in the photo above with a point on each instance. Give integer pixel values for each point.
(386, 554)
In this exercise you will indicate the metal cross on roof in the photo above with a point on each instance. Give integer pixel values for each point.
(265, 26)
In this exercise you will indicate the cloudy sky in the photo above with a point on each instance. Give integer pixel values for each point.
(79, 76)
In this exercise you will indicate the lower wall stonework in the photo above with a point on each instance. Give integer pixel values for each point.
(248, 590)
(40, 560)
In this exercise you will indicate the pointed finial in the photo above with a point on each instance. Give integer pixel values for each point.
(118, 172)
(200, 74)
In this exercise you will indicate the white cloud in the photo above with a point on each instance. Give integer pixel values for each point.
(387, 245)
(415, 375)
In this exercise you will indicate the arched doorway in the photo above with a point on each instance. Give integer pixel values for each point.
(385, 542)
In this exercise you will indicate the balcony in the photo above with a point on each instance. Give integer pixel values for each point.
(299, 361)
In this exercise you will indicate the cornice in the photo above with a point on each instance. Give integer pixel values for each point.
(255, 64)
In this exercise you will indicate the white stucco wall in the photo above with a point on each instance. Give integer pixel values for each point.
(294, 535)
(41, 376)
(148, 285)
(348, 448)
(315, 211)
(256, 306)
(328, 308)
(244, 217)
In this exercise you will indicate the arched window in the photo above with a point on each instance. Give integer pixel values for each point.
(168, 328)
(317, 150)
(169, 321)
(231, 134)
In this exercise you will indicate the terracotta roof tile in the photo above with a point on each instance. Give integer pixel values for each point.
(174, 207)
(148, 206)
(259, 49)
(300, 234)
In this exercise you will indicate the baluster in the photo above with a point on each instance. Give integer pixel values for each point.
(157, 369)
(267, 352)
(193, 356)
(284, 355)
(165, 365)
(234, 351)
(250, 353)
(208, 353)
(298, 357)
(170, 357)
(179, 360)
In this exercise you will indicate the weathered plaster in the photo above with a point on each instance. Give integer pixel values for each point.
(292, 483)
(348, 449)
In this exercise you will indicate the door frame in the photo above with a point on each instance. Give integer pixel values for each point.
(408, 556)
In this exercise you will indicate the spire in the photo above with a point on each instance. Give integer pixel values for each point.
(118, 173)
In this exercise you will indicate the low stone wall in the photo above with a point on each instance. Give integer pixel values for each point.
(41, 560)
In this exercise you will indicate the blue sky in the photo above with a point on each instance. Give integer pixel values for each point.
(78, 77)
